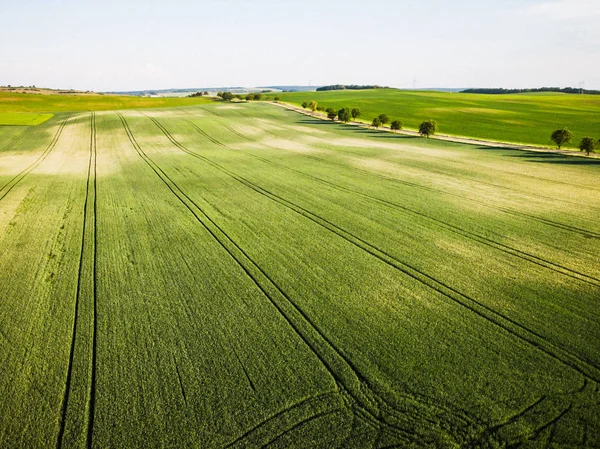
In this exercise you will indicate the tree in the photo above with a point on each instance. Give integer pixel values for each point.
(376, 122)
(220, 94)
(588, 145)
(331, 113)
(228, 96)
(206, 93)
(561, 136)
(321, 108)
(258, 96)
(344, 115)
(428, 128)
(276, 98)
(249, 97)
(396, 125)
(355, 113)
(383, 118)
(313, 105)
(304, 105)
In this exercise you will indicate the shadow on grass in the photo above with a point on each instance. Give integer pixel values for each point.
(553, 158)
(359, 130)
(381, 134)
(316, 122)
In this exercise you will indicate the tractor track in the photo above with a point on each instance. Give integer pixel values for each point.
(89, 215)
(248, 378)
(545, 221)
(587, 368)
(181, 387)
(92, 393)
(23, 173)
(280, 413)
(523, 255)
(301, 423)
(342, 370)
(17, 139)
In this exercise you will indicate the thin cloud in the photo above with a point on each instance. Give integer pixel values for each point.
(565, 9)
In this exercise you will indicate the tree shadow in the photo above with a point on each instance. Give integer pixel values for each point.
(491, 148)
(379, 134)
(316, 122)
(554, 158)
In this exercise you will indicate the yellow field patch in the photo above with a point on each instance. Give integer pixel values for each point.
(23, 118)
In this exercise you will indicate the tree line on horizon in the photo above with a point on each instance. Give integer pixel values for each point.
(500, 90)
(350, 87)
(252, 96)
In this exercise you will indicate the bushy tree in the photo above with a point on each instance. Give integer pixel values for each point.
(258, 96)
(588, 145)
(331, 113)
(313, 105)
(321, 108)
(249, 97)
(344, 115)
(206, 93)
(396, 125)
(561, 136)
(383, 118)
(304, 105)
(276, 98)
(376, 122)
(227, 96)
(428, 128)
(220, 94)
(355, 113)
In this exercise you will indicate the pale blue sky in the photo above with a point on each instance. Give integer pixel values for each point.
(130, 45)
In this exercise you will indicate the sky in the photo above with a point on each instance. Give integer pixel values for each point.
(120, 45)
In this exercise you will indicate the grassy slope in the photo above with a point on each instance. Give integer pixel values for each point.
(14, 102)
(259, 272)
(520, 118)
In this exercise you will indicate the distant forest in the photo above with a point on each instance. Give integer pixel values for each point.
(349, 87)
(565, 90)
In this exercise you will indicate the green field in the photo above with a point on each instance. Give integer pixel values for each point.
(23, 118)
(518, 118)
(245, 276)
(25, 102)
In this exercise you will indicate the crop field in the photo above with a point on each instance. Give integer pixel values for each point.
(519, 118)
(23, 118)
(12, 103)
(225, 275)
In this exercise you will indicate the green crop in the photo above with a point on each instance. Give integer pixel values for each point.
(22, 118)
(22, 102)
(519, 118)
(239, 275)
